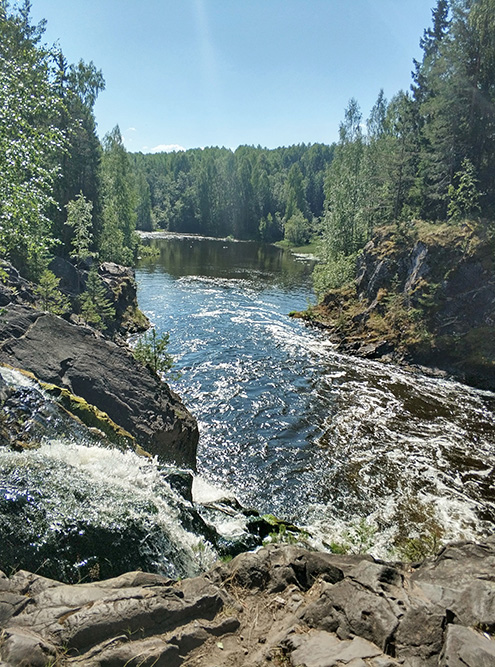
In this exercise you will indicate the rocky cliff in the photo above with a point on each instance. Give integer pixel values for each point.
(93, 367)
(425, 297)
(280, 606)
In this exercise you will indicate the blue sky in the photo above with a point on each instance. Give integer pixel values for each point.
(195, 73)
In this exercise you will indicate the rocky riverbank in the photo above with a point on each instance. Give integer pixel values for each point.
(424, 297)
(280, 606)
(91, 366)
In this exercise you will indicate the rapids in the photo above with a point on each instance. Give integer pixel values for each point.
(364, 455)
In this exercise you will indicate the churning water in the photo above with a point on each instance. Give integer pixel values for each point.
(74, 507)
(357, 451)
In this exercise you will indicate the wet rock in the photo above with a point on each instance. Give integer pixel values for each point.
(374, 350)
(105, 375)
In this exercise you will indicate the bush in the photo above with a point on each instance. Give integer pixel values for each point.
(151, 350)
(297, 230)
(333, 274)
(49, 295)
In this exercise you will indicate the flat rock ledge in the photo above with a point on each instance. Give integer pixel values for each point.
(281, 606)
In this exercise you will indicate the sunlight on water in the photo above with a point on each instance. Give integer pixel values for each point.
(291, 427)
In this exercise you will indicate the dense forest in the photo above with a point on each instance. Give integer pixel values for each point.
(251, 193)
(427, 153)
(62, 191)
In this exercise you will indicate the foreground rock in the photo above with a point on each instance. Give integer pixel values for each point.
(103, 373)
(281, 606)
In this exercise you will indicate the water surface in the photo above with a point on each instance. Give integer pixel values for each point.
(293, 428)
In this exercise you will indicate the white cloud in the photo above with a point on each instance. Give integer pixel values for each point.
(167, 148)
(131, 129)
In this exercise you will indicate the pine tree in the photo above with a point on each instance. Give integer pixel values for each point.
(151, 350)
(464, 195)
(118, 241)
(79, 219)
(49, 294)
(96, 308)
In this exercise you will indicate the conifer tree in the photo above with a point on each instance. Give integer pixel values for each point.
(80, 220)
(96, 308)
(49, 294)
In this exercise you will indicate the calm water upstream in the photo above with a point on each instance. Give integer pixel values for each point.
(293, 428)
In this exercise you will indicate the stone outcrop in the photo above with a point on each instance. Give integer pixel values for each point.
(103, 373)
(426, 299)
(120, 286)
(283, 605)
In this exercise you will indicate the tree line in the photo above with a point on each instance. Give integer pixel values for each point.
(62, 191)
(249, 193)
(427, 153)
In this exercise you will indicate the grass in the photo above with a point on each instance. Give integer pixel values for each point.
(311, 248)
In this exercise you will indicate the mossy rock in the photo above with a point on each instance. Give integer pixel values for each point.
(90, 415)
(269, 525)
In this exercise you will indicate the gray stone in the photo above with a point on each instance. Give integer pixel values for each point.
(11, 604)
(350, 609)
(105, 375)
(147, 653)
(23, 648)
(322, 649)
(465, 647)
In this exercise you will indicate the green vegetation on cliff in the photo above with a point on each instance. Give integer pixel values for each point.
(426, 295)
(61, 192)
(427, 154)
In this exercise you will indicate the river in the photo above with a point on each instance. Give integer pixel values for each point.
(362, 454)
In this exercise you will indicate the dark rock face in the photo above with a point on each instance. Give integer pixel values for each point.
(120, 287)
(14, 288)
(427, 301)
(104, 374)
(281, 605)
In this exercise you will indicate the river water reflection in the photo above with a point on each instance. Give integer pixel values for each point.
(359, 452)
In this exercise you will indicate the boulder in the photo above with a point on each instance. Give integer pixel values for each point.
(280, 605)
(103, 373)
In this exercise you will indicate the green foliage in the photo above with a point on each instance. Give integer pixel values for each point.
(429, 154)
(360, 535)
(269, 228)
(464, 199)
(96, 308)
(219, 192)
(296, 230)
(49, 294)
(344, 231)
(151, 349)
(336, 272)
(118, 241)
(31, 145)
(80, 220)
(49, 150)
(420, 535)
